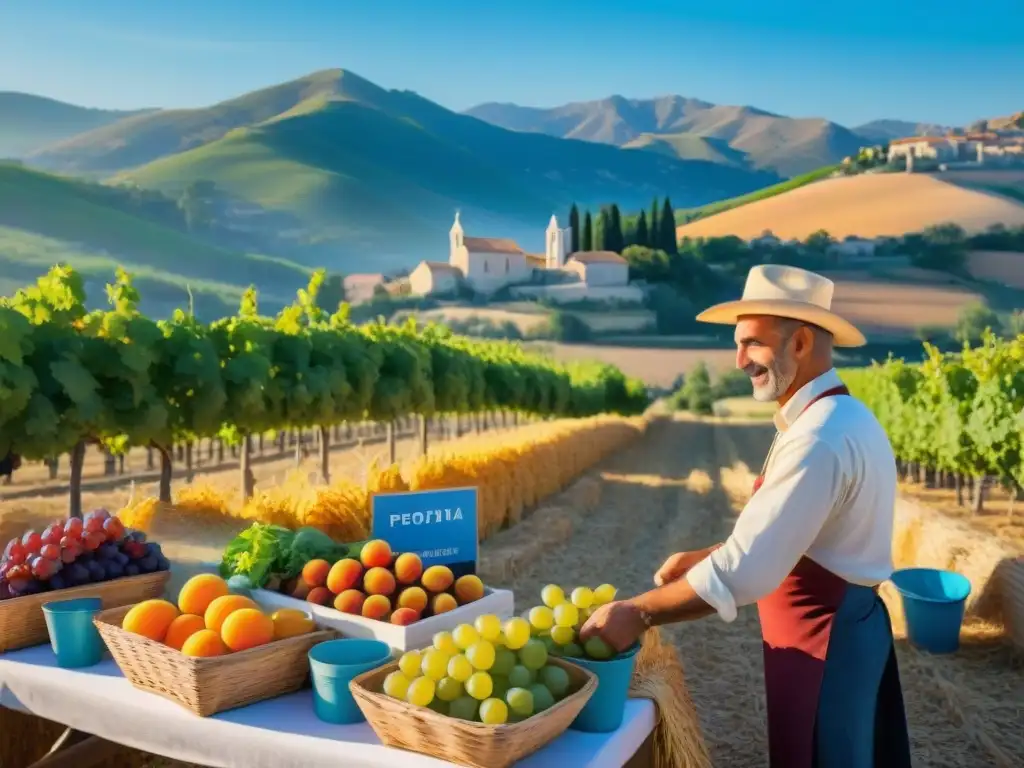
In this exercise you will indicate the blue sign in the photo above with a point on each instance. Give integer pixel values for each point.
(439, 526)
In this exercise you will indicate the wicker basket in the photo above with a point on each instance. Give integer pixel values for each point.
(419, 729)
(23, 624)
(208, 685)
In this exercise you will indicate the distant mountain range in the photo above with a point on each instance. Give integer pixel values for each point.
(741, 137)
(333, 170)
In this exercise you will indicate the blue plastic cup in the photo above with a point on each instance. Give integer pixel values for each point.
(606, 708)
(333, 665)
(933, 605)
(73, 637)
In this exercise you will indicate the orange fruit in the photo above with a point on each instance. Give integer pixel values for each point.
(204, 643)
(182, 628)
(150, 618)
(198, 592)
(246, 628)
(224, 606)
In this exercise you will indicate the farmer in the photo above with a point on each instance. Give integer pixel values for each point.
(811, 546)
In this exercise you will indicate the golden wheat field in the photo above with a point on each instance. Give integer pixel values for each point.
(871, 205)
(680, 486)
(655, 366)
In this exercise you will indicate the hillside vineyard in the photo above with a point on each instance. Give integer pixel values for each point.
(954, 415)
(70, 376)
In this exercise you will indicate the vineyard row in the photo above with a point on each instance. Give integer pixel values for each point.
(70, 376)
(954, 419)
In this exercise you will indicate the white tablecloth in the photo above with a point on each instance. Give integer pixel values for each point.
(280, 733)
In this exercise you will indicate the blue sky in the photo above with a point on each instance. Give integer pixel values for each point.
(935, 61)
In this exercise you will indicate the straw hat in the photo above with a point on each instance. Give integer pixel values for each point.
(781, 291)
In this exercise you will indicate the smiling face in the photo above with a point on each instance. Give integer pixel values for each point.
(768, 352)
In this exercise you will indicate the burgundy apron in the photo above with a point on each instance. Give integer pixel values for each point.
(831, 680)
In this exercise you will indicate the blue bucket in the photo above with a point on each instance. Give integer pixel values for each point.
(74, 638)
(933, 605)
(606, 708)
(333, 665)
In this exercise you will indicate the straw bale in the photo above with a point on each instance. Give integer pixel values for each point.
(927, 538)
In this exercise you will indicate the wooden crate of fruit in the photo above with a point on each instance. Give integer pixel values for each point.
(214, 650)
(386, 597)
(94, 556)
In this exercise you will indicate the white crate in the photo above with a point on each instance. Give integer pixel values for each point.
(499, 602)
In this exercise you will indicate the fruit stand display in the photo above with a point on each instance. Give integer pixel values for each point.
(94, 556)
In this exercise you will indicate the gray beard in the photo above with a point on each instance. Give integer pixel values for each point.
(778, 382)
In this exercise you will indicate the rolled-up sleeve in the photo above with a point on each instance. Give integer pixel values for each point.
(775, 529)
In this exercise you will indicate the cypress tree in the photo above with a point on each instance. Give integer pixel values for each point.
(601, 227)
(574, 224)
(669, 244)
(613, 240)
(642, 237)
(587, 241)
(655, 231)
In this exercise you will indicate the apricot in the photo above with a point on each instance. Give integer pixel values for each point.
(408, 568)
(289, 622)
(345, 574)
(376, 607)
(150, 618)
(182, 628)
(315, 572)
(247, 628)
(443, 603)
(198, 592)
(404, 616)
(301, 589)
(468, 588)
(223, 607)
(204, 643)
(379, 581)
(413, 597)
(320, 596)
(376, 554)
(350, 601)
(437, 578)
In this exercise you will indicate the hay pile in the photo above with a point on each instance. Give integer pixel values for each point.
(925, 537)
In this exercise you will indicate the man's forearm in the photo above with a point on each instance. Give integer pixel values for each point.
(676, 601)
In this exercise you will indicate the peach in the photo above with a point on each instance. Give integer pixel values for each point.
(204, 643)
(247, 628)
(376, 554)
(199, 591)
(404, 616)
(182, 628)
(408, 568)
(315, 572)
(224, 606)
(379, 581)
(350, 601)
(437, 578)
(345, 574)
(443, 603)
(468, 588)
(413, 597)
(377, 607)
(320, 596)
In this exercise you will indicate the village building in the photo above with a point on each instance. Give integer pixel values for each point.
(486, 265)
(362, 287)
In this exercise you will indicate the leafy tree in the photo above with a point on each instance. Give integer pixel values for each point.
(197, 204)
(574, 225)
(331, 294)
(973, 321)
(587, 241)
(819, 241)
(641, 236)
(601, 230)
(942, 247)
(667, 222)
(567, 327)
(697, 390)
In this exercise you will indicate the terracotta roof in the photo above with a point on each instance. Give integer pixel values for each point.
(921, 140)
(491, 245)
(598, 257)
(537, 258)
(441, 266)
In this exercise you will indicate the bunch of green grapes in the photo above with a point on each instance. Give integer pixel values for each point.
(487, 671)
(557, 622)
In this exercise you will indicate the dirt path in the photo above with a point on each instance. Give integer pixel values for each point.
(681, 488)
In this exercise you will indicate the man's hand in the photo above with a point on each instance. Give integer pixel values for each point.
(676, 566)
(619, 624)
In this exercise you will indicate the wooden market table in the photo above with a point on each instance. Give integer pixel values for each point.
(99, 706)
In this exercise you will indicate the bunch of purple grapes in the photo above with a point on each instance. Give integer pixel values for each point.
(79, 551)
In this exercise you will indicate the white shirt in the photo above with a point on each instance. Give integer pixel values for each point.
(829, 493)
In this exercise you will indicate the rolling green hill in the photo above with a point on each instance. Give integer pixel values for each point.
(45, 219)
(362, 168)
(28, 123)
